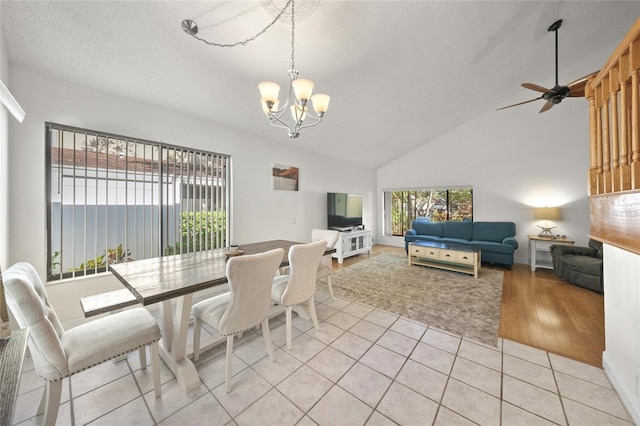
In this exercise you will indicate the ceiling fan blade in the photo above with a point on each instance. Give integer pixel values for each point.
(557, 93)
(520, 103)
(535, 87)
(577, 86)
(547, 106)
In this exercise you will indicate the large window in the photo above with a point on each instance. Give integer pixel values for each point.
(437, 205)
(114, 199)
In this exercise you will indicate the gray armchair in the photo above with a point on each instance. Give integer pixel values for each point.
(578, 265)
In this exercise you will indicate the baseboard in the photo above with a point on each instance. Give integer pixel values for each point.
(627, 395)
(523, 260)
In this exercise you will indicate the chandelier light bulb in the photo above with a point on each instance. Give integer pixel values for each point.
(320, 102)
(265, 106)
(302, 88)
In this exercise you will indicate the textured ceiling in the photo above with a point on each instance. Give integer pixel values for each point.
(399, 73)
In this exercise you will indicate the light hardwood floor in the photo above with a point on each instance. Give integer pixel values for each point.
(540, 310)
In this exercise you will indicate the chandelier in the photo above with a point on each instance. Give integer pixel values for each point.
(300, 89)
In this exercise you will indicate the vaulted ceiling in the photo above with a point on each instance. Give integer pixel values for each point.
(399, 73)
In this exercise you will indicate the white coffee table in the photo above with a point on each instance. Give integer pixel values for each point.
(452, 257)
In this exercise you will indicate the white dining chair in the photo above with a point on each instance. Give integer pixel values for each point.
(58, 353)
(325, 266)
(246, 305)
(299, 286)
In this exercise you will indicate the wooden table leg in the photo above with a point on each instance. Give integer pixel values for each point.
(173, 351)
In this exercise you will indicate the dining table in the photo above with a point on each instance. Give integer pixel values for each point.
(163, 279)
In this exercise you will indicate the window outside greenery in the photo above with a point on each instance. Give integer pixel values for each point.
(437, 205)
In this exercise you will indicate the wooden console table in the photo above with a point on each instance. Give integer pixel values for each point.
(452, 257)
(12, 350)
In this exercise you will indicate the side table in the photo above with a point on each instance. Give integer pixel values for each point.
(540, 245)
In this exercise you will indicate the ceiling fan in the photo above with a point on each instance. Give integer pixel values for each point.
(554, 96)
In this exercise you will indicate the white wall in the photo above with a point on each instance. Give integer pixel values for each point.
(4, 158)
(515, 159)
(258, 212)
(621, 359)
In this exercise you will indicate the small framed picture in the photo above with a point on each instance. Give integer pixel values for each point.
(285, 177)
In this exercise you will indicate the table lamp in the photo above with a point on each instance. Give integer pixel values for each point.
(546, 214)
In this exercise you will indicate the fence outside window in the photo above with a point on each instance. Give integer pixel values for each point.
(114, 199)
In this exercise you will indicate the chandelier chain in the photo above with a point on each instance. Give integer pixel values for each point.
(250, 39)
(293, 34)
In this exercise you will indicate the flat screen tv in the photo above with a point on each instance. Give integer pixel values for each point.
(344, 211)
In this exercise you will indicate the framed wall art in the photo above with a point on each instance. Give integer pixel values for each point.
(285, 177)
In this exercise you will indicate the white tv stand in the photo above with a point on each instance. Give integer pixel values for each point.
(351, 243)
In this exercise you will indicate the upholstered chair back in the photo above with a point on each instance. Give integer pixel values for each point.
(331, 237)
(28, 301)
(328, 235)
(303, 263)
(250, 278)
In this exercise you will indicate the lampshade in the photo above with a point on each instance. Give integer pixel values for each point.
(320, 102)
(547, 213)
(302, 88)
(269, 91)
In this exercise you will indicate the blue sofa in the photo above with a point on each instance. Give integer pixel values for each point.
(496, 240)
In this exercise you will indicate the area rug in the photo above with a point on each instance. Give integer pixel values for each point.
(451, 301)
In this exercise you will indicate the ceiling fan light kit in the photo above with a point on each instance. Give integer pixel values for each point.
(300, 89)
(555, 95)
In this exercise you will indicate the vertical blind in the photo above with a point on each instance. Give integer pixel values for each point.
(113, 199)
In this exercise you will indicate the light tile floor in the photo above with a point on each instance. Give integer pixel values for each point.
(364, 366)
